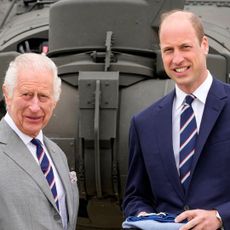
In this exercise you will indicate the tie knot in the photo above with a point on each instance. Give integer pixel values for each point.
(189, 99)
(36, 142)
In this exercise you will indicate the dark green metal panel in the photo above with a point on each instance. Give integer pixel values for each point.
(82, 24)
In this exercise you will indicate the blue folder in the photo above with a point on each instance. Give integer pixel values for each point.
(153, 221)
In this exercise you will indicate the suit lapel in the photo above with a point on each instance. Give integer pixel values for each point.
(59, 165)
(164, 130)
(19, 153)
(215, 102)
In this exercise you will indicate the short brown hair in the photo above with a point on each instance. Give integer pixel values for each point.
(193, 18)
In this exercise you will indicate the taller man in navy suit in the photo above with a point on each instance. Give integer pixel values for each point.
(154, 183)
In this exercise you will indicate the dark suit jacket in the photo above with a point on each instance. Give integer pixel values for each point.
(26, 202)
(153, 183)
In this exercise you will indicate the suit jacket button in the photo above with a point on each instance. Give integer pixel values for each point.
(57, 217)
(186, 207)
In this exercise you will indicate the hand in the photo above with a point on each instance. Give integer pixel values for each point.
(143, 214)
(199, 219)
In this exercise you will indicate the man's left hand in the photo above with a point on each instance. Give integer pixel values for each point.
(199, 219)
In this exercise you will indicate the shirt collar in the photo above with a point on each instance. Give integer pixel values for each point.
(25, 138)
(201, 92)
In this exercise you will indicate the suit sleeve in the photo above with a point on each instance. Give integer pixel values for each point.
(223, 210)
(138, 196)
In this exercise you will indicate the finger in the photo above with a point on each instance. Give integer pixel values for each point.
(183, 216)
(190, 225)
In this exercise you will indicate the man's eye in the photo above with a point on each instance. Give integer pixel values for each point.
(167, 50)
(43, 97)
(26, 94)
(186, 47)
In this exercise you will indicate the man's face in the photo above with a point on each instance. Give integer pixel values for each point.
(184, 57)
(32, 103)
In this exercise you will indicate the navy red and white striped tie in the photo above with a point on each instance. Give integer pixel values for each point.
(188, 136)
(46, 169)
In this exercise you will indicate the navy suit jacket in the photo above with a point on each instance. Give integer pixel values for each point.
(153, 183)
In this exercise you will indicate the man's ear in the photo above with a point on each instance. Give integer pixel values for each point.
(54, 104)
(5, 94)
(205, 45)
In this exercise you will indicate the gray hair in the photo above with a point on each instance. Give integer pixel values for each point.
(37, 62)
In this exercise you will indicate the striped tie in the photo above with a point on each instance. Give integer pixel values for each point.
(46, 169)
(188, 136)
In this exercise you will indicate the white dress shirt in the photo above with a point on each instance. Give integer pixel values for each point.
(32, 148)
(198, 108)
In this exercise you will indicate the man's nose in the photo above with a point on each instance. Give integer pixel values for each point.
(35, 104)
(177, 58)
